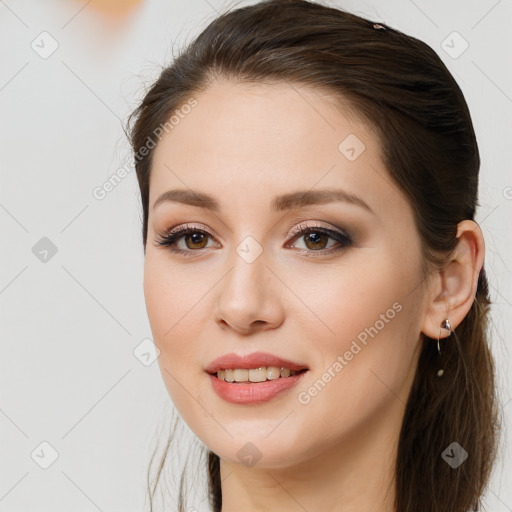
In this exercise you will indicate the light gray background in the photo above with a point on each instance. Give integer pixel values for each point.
(70, 325)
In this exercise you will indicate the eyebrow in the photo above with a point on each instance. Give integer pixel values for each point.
(288, 201)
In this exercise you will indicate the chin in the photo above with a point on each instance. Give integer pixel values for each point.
(258, 451)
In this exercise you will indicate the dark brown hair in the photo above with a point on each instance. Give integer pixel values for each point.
(400, 87)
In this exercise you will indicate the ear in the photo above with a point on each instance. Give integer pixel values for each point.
(454, 287)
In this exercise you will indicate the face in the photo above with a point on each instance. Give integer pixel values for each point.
(334, 285)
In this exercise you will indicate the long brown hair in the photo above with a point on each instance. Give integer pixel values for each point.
(401, 88)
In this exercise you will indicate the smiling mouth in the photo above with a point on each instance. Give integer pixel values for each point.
(255, 375)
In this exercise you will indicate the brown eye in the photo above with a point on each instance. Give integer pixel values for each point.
(315, 240)
(198, 240)
(187, 240)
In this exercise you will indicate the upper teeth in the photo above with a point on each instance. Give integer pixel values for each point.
(254, 375)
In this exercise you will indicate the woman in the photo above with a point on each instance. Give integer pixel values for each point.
(314, 276)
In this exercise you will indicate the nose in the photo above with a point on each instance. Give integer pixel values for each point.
(248, 298)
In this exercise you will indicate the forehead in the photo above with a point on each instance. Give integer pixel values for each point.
(266, 139)
(238, 119)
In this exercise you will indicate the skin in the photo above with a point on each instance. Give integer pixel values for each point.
(244, 144)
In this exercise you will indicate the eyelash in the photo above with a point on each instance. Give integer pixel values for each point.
(171, 237)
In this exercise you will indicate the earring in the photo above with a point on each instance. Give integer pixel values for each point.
(448, 327)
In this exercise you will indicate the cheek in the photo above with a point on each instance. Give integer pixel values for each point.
(170, 295)
(366, 357)
(160, 295)
(366, 374)
(366, 298)
(176, 304)
(342, 301)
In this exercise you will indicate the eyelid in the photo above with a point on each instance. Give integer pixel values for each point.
(180, 227)
(303, 226)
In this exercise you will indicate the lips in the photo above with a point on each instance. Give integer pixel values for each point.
(251, 361)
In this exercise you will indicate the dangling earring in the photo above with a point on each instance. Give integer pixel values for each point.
(448, 327)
